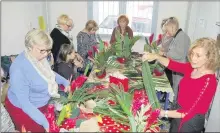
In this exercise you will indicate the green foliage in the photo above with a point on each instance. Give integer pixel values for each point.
(123, 46)
(103, 60)
(149, 85)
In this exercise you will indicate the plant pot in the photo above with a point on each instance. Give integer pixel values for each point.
(101, 74)
(121, 60)
(152, 62)
(158, 72)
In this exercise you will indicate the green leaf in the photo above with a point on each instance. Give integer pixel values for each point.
(75, 113)
(79, 121)
(149, 85)
(61, 116)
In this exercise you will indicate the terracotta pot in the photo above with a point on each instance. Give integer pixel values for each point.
(101, 74)
(121, 60)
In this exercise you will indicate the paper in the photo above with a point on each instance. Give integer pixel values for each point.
(41, 22)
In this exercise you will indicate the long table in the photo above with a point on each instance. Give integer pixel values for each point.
(119, 73)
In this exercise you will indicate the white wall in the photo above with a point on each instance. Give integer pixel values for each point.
(203, 18)
(75, 9)
(17, 18)
(168, 9)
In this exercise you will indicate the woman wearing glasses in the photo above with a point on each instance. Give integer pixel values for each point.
(61, 35)
(178, 48)
(33, 83)
(196, 89)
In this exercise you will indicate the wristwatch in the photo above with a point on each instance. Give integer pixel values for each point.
(166, 114)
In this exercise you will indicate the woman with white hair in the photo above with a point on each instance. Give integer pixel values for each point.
(33, 83)
(178, 48)
(61, 35)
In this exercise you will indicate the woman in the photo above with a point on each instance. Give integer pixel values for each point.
(6, 123)
(33, 83)
(64, 65)
(165, 42)
(86, 39)
(61, 35)
(197, 87)
(122, 28)
(177, 49)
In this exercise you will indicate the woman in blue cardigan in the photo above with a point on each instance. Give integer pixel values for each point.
(33, 83)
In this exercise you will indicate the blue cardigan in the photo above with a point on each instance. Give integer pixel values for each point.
(28, 90)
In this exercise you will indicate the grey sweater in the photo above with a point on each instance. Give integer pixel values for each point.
(179, 47)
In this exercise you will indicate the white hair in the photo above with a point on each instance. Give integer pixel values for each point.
(38, 37)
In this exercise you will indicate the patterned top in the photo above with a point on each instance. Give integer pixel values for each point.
(85, 42)
(6, 123)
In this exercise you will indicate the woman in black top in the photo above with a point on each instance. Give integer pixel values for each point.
(61, 35)
(67, 62)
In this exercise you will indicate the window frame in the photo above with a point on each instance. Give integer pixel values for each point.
(122, 10)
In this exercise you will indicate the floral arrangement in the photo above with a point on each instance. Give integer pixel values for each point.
(152, 46)
(122, 46)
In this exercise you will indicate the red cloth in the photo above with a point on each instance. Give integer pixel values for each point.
(190, 89)
(118, 81)
(20, 118)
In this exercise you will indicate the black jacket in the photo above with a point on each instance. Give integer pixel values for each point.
(58, 40)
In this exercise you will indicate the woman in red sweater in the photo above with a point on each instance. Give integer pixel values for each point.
(197, 87)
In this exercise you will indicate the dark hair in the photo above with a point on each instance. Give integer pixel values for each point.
(65, 50)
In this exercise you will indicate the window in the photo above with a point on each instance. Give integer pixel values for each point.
(140, 15)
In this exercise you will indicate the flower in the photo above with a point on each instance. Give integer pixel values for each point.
(99, 118)
(78, 82)
(160, 36)
(68, 110)
(151, 38)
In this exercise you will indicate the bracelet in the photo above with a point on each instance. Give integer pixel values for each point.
(166, 114)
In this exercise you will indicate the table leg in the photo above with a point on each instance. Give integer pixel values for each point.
(166, 101)
(158, 95)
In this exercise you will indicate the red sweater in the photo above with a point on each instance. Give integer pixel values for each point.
(191, 89)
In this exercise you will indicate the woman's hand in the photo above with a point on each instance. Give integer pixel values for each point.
(149, 56)
(78, 64)
(91, 59)
(162, 113)
(47, 130)
(67, 89)
(79, 58)
(161, 53)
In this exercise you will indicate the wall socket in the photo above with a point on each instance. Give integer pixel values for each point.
(202, 22)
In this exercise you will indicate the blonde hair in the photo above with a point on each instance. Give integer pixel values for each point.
(38, 37)
(63, 19)
(91, 25)
(123, 17)
(212, 52)
(172, 21)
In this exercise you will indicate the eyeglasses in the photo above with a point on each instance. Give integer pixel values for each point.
(43, 51)
(69, 26)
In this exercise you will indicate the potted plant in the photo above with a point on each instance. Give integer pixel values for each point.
(103, 61)
(123, 46)
(152, 47)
